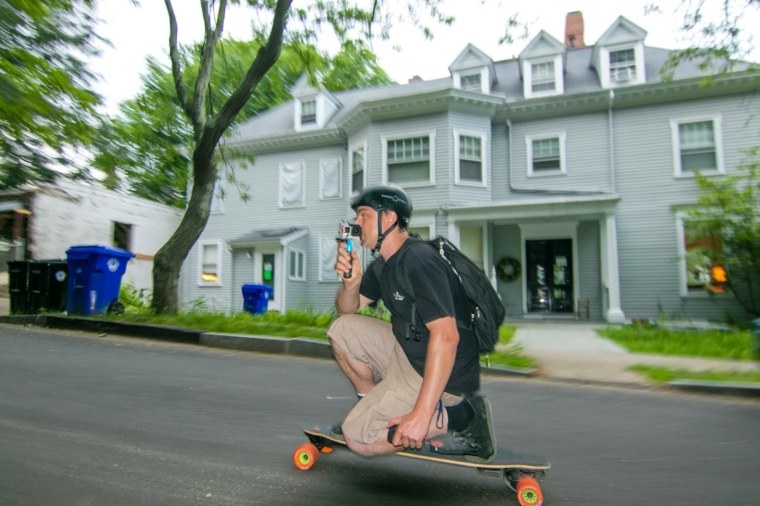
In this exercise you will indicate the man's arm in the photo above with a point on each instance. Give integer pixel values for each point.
(348, 300)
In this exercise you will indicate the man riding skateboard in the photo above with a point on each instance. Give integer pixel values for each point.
(416, 377)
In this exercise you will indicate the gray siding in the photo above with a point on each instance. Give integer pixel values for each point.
(507, 242)
(589, 268)
(647, 234)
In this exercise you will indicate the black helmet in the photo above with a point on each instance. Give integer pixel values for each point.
(386, 197)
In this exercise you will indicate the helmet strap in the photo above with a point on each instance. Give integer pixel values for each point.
(380, 234)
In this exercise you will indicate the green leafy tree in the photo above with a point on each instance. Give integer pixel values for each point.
(142, 150)
(722, 33)
(283, 21)
(46, 107)
(729, 214)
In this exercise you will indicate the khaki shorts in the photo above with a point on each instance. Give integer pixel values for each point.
(371, 341)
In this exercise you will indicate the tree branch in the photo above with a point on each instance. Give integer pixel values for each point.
(265, 58)
(210, 39)
(175, 58)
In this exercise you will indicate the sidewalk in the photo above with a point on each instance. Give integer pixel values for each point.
(564, 351)
(572, 351)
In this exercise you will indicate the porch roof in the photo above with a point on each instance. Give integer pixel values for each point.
(548, 206)
(283, 236)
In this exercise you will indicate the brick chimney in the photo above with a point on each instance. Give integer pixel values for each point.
(574, 30)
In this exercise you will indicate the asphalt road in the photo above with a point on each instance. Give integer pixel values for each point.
(92, 420)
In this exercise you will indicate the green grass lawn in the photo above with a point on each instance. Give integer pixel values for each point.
(737, 345)
(299, 323)
(664, 374)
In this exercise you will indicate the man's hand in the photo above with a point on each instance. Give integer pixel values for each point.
(411, 430)
(347, 261)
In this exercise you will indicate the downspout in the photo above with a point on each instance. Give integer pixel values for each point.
(611, 137)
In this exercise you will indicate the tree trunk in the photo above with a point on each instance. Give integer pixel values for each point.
(168, 261)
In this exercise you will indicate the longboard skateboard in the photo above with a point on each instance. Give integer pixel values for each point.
(520, 472)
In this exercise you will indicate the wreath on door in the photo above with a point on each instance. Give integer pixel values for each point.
(508, 269)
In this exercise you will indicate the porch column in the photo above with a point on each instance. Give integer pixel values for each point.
(610, 270)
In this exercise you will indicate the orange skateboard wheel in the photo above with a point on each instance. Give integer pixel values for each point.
(305, 456)
(529, 492)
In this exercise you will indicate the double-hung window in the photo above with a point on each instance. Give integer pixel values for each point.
(297, 265)
(546, 155)
(470, 162)
(622, 65)
(543, 77)
(210, 263)
(471, 82)
(409, 160)
(330, 178)
(358, 161)
(309, 112)
(292, 185)
(701, 272)
(697, 146)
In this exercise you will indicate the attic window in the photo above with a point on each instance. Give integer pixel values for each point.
(622, 65)
(470, 82)
(543, 76)
(309, 112)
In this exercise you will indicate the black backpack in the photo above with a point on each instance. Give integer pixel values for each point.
(487, 311)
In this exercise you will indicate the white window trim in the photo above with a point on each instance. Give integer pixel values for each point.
(484, 78)
(484, 173)
(333, 276)
(683, 288)
(217, 202)
(562, 154)
(559, 82)
(298, 108)
(303, 187)
(322, 163)
(717, 130)
(353, 147)
(300, 254)
(219, 251)
(431, 136)
(638, 52)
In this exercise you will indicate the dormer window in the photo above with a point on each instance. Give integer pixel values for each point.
(471, 82)
(542, 76)
(313, 107)
(618, 55)
(542, 67)
(309, 112)
(473, 70)
(622, 65)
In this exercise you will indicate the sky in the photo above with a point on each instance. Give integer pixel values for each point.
(405, 55)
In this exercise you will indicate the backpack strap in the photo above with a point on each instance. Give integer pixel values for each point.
(402, 278)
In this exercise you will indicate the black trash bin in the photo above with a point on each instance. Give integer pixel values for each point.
(38, 285)
(755, 327)
(18, 286)
(48, 286)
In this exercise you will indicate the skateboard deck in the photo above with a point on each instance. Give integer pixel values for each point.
(520, 472)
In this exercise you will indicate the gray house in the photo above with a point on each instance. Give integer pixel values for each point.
(566, 173)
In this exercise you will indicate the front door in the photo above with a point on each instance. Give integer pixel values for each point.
(267, 273)
(550, 275)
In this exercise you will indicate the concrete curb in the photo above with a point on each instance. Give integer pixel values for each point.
(314, 348)
(717, 387)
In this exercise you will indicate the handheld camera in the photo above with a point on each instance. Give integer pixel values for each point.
(345, 232)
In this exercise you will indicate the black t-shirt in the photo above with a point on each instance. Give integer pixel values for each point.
(438, 293)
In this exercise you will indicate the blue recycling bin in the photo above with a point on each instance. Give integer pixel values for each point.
(256, 297)
(95, 278)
